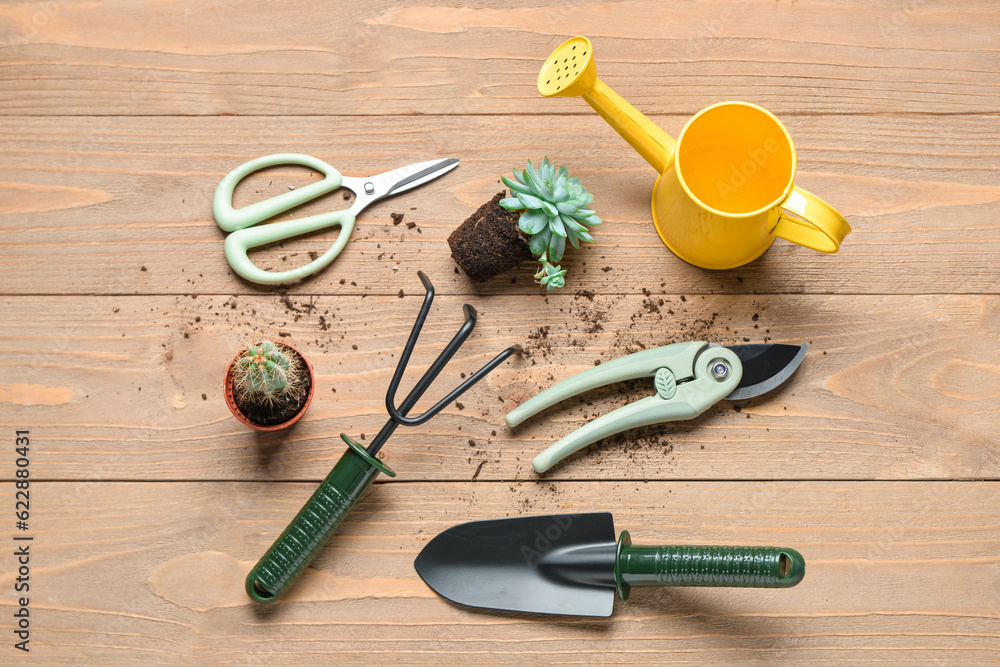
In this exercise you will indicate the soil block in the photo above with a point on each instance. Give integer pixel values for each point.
(278, 413)
(489, 242)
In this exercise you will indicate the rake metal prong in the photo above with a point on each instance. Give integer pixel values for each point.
(398, 416)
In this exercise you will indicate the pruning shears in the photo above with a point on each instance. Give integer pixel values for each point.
(689, 378)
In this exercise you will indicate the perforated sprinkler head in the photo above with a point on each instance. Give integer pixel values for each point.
(569, 71)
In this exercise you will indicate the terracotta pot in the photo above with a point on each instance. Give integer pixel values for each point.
(231, 399)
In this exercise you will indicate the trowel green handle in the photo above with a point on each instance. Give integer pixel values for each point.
(315, 523)
(744, 567)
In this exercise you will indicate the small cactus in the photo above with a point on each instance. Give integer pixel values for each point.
(267, 374)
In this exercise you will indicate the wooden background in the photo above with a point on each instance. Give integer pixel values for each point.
(879, 461)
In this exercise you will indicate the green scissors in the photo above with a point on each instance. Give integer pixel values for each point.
(367, 190)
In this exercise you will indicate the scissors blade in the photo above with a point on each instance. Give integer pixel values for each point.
(416, 175)
(411, 176)
(370, 190)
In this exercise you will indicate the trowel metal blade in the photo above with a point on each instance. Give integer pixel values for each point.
(553, 564)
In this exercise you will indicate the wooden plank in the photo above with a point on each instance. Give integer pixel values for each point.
(122, 205)
(153, 574)
(143, 57)
(879, 460)
(130, 387)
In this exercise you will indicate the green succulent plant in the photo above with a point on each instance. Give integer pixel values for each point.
(552, 277)
(267, 374)
(555, 208)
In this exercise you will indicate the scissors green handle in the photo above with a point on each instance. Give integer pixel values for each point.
(240, 222)
(367, 191)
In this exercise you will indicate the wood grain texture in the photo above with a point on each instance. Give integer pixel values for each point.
(130, 387)
(152, 574)
(879, 460)
(93, 201)
(141, 57)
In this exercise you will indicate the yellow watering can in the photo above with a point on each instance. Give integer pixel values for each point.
(726, 187)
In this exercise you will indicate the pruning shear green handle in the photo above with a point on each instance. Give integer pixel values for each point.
(689, 378)
(240, 222)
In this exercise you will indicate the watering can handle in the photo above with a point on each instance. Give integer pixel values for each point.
(811, 222)
(652, 143)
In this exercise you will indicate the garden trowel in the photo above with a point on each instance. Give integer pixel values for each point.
(570, 564)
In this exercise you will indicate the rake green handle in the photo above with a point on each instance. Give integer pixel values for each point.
(315, 523)
(744, 567)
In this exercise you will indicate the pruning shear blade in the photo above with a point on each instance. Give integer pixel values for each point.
(765, 367)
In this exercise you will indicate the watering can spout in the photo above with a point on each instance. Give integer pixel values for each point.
(570, 71)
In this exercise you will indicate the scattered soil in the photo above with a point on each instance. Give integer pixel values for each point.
(489, 242)
(278, 413)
